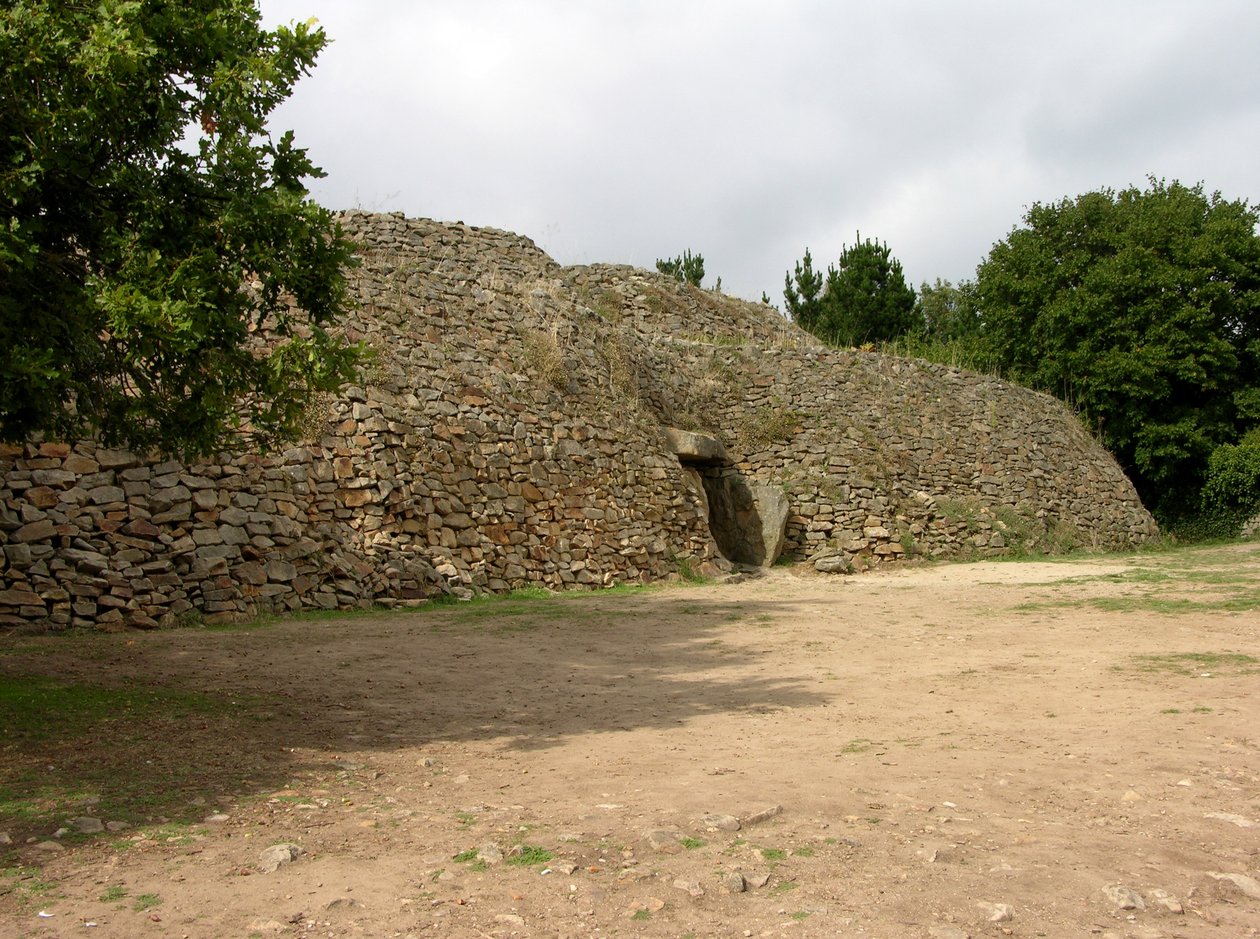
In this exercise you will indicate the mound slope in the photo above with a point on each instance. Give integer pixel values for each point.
(517, 426)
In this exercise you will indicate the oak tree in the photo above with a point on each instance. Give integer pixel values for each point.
(165, 281)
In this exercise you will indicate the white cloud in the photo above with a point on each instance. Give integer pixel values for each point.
(628, 130)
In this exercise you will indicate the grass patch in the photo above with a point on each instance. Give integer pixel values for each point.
(464, 857)
(766, 426)
(527, 855)
(26, 884)
(113, 894)
(691, 843)
(64, 743)
(685, 565)
(173, 834)
(37, 709)
(544, 354)
(146, 901)
(1239, 602)
(641, 915)
(1197, 663)
(773, 854)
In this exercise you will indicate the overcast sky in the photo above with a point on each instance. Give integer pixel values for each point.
(627, 130)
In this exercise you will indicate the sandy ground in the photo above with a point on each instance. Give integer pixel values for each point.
(1013, 749)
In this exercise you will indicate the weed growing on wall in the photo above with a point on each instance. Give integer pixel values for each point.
(768, 425)
(545, 357)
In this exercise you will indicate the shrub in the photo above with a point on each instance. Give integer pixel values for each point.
(1231, 494)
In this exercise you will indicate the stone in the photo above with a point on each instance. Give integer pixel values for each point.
(692, 447)
(1239, 820)
(720, 822)
(763, 816)
(1247, 885)
(748, 521)
(1165, 900)
(841, 563)
(20, 596)
(470, 472)
(997, 912)
(733, 882)
(666, 841)
(88, 826)
(273, 858)
(692, 887)
(40, 530)
(1124, 898)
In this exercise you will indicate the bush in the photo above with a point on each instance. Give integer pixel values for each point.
(1231, 494)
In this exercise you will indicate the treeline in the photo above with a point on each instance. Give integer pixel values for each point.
(1139, 308)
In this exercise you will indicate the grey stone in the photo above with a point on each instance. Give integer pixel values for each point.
(1248, 885)
(763, 816)
(720, 822)
(1124, 898)
(664, 840)
(692, 447)
(691, 887)
(733, 882)
(997, 912)
(273, 858)
(1164, 899)
(841, 563)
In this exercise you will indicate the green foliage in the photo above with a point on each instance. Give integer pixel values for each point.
(686, 268)
(1142, 309)
(156, 233)
(802, 294)
(1231, 494)
(527, 855)
(950, 330)
(947, 312)
(864, 299)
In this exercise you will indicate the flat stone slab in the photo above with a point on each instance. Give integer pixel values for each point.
(691, 447)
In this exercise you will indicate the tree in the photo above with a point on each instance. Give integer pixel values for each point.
(1141, 308)
(948, 313)
(686, 268)
(164, 280)
(864, 299)
(802, 294)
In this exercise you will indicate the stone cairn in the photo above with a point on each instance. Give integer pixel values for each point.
(524, 424)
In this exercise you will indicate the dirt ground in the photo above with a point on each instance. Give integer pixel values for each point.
(995, 749)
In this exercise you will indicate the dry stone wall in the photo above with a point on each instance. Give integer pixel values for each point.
(508, 431)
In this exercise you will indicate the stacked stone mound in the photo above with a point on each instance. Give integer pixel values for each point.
(512, 429)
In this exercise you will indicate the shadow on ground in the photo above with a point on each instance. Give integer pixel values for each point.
(194, 716)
